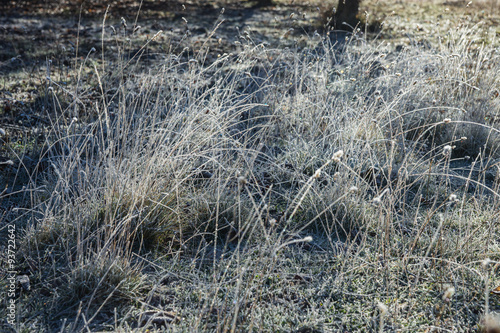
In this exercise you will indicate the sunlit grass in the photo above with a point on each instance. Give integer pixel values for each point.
(350, 187)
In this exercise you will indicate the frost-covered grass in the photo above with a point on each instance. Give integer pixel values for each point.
(271, 189)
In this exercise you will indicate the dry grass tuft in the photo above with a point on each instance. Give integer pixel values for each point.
(350, 187)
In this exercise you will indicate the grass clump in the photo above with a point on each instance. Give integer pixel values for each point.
(349, 187)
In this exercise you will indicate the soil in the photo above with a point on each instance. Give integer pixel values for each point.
(51, 39)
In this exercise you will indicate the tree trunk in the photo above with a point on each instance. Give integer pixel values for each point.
(347, 11)
(264, 3)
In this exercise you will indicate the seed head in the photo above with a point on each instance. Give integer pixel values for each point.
(378, 199)
(307, 239)
(447, 150)
(446, 120)
(448, 294)
(242, 181)
(382, 308)
(317, 174)
(490, 323)
(485, 263)
(338, 155)
(353, 189)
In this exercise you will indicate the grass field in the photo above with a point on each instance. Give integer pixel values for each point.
(235, 170)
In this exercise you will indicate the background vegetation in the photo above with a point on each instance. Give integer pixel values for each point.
(221, 166)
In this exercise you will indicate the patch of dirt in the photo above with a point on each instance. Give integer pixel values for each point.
(41, 39)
